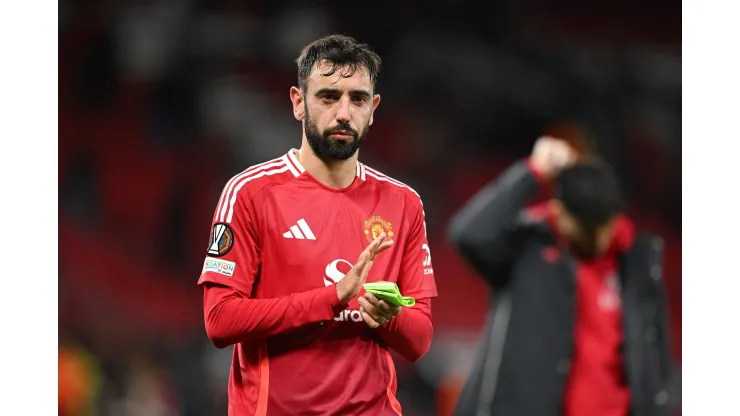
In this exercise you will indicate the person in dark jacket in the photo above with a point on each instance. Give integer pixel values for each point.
(578, 324)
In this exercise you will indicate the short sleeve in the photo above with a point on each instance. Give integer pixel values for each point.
(417, 276)
(233, 254)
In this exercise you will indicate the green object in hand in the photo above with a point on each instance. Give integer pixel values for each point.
(388, 291)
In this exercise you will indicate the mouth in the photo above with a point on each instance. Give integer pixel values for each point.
(342, 135)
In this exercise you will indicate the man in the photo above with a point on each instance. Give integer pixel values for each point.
(578, 323)
(279, 282)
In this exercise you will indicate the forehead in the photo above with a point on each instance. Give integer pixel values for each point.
(339, 79)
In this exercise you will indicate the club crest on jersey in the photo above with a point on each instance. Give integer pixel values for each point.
(376, 225)
(222, 239)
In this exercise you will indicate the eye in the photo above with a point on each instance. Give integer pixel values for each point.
(358, 99)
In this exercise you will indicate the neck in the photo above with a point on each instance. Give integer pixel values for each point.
(335, 174)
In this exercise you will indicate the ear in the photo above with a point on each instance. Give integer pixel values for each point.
(376, 102)
(559, 214)
(296, 97)
(556, 207)
(566, 223)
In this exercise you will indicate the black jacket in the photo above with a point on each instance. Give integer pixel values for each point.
(524, 357)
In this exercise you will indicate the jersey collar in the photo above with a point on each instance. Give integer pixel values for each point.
(297, 169)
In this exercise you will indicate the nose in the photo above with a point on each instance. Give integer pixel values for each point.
(343, 110)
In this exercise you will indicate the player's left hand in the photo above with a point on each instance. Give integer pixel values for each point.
(376, 312)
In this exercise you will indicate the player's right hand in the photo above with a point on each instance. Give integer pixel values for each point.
(551, 155)
(351, 284)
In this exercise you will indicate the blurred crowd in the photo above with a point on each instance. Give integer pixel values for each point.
(161, 101)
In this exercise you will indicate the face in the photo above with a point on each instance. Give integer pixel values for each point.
(336, 110)
(587, 243)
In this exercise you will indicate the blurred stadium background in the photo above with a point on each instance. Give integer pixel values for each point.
(161, 101)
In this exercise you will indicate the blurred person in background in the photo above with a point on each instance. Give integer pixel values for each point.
(578, 325)
(80, 381)
(278, 282)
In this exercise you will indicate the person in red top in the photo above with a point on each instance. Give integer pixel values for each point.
(579, 323)
(597, 384)
(294, 239)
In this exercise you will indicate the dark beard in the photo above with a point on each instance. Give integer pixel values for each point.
(328, 149)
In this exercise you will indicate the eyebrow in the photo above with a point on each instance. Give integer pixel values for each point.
(362, 93)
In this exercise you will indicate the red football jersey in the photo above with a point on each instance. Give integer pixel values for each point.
(277, 232)
(596, 384)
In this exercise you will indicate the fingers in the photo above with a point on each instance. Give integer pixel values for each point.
(389, 311)
(377, 309)
(364, 262)
(383, 247)
(563, 154)
(372, 323)
(368, 307)
(376, 312)
(372, 248)
(361, 269)
(370, 251)
(393, 310)
(378, 304)
(379, 244)
(551, 155)
(371, 298)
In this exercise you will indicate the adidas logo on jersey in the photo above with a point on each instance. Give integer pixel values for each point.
(300, 231)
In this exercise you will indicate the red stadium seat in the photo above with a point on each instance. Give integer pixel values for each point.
(135, 185)
(131, 290)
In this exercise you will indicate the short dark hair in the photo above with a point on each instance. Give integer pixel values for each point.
(341, 51)
(591, 192)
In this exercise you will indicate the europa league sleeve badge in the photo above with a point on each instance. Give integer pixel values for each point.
(222, 239)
